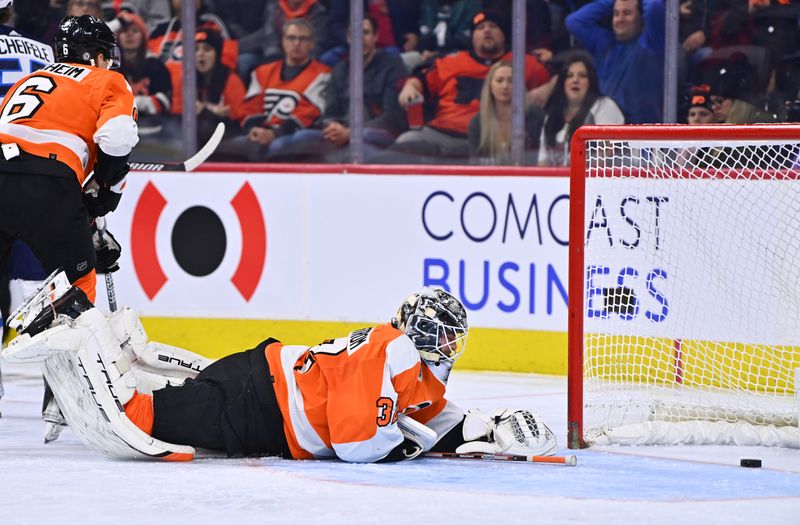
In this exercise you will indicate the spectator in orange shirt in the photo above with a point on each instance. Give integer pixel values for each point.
(283, 97)
(452, 86)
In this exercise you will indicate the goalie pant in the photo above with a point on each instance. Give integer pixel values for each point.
(58, 125)
(338, 399)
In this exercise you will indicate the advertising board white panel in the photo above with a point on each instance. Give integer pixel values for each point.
(343, 247)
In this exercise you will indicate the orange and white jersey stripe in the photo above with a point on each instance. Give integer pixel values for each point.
(342, 397)
(66, 111)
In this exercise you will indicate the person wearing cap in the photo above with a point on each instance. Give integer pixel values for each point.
(700, 106)
(626, 40)
(147, 76)
(452, 88)
(731, 93)
(220, 91)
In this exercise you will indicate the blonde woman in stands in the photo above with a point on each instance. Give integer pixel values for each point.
(576, 101)
(489, 131)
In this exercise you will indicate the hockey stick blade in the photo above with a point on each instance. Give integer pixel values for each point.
(189, 164)
(569, 461)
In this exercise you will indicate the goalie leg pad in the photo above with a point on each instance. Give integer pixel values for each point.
(65, 337)
(156, 365)
(129, 332)
(81, 383)
(172, 361)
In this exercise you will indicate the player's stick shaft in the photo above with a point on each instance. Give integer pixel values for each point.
(569, 460)
(112, 296)
(189, 164)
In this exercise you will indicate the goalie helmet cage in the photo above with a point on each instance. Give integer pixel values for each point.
(684, 285)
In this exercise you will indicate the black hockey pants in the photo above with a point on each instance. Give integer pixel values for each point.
(230, 406)
(41, 204)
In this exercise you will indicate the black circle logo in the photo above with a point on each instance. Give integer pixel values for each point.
(198, 241)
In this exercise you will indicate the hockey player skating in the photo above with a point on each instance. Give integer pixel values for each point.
(376, 394)
(57, 126)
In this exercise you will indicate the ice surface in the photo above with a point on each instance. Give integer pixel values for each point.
(64, 482)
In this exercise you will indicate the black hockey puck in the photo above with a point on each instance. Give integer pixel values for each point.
(752, 463)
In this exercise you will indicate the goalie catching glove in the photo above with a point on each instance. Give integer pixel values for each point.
(107, 251)
(515, 432)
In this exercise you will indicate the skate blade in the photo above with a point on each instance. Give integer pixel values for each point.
(52, 288)
(52, 431)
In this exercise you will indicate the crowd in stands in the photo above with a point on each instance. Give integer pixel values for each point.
(437, 73)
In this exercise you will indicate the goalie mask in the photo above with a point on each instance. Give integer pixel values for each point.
(436, 322)
(81, 38)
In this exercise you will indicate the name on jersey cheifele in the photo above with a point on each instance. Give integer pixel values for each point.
(11, 45)
(72, 71)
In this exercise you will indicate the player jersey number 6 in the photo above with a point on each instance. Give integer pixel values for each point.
(26, 100)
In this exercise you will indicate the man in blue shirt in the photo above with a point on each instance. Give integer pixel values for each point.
(628, 52)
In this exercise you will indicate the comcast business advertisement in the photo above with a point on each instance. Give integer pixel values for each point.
(331, 247)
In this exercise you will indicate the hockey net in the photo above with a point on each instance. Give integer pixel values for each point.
(684, 285)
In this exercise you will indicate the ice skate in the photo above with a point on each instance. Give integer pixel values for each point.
(55, 297)
(52, 416)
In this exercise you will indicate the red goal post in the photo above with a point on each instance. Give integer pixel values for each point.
(687, 354)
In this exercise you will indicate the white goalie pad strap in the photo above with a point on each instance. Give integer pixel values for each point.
(79, 381)
(417, 432)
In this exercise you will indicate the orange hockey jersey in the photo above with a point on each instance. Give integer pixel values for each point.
(456, 81)
(342, 397)
(299, 99)
(66, 111)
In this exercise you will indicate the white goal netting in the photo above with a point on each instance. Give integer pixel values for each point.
(691, 292)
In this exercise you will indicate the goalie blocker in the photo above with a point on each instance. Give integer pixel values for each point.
(128, 397)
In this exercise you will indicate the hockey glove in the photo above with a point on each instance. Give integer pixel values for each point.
(107, 251)
(516, 432)
(99, 200)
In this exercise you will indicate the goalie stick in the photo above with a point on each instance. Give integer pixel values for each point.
(189, 164)
(569, 461)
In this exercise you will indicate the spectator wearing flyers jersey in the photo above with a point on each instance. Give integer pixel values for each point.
(384, 119)
(452, 86)
(283, 97)
(281, 11)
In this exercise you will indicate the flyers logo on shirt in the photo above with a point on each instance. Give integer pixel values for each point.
(198, 237)
(280, 103)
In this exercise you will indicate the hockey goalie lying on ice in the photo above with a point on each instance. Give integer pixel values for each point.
(377, 394)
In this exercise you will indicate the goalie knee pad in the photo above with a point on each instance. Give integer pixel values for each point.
(112, 361)
(129, 331)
